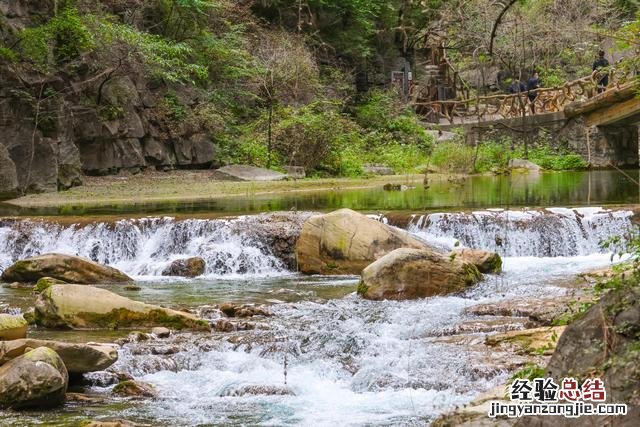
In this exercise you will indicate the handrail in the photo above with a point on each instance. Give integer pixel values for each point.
(537, 101)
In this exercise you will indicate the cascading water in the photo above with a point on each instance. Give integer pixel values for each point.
(144, 247)
(550, 232)
(347, 361)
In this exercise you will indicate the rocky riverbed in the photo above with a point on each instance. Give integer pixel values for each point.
(283, 348)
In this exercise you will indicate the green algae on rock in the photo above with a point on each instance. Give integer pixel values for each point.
(12, 327)
(44, 282)
(415, 273)
(88, 307)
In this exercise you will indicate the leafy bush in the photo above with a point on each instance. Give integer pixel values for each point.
(305, 136)
(61, 39)
(163, 59)
(454, 157)
(182, 19)
(556, 160)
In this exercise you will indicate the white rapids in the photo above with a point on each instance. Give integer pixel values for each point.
(346, 361)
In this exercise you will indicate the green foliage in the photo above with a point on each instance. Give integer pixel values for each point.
(8, 54)
(163, 59)
(552, 76)
(64, 38)
(182, 19)
(530, 371)
(454, 157)
(176, 109)
(303, 137)
(556, 160)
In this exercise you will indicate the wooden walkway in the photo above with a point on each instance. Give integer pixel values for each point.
(569, 96)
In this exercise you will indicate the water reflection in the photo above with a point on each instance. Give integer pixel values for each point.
(571, 188)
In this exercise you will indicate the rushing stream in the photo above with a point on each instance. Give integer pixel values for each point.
(328, 357)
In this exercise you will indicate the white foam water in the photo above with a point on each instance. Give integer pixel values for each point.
(541, 233)
(145, 247)
(347, 361)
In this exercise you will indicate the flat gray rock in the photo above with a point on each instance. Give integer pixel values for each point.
(378, 169)
(246, 173)
(523, 164)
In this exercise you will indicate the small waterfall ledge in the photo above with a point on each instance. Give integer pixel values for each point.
(264, 245)
(551, 232)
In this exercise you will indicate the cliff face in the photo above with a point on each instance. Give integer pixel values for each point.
(94, 115)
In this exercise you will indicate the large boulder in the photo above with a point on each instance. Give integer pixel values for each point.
(186, 267)
(88, 307)
(486, 261)
(247, 173)
(37, 379)
(69, 268)
(12, 327)
(345, 242)
(415, 273)
(78, 358)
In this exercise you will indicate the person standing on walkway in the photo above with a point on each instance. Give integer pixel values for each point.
(532, 90)
(603, 76)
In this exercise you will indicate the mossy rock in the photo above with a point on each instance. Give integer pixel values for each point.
(485, 261)
(12, 327)
(38, 379)
(88, 307)
(44, 282)
(416, 273)
(68, 268)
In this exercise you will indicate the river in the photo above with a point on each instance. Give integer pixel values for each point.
(331, 357)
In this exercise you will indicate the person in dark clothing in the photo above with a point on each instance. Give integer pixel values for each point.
(517, 87)
(532, 85)
(601, 63)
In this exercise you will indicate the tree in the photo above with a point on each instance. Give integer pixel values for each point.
(287, 74)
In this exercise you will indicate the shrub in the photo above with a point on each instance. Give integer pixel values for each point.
(305, 136)
(62, 39)
(454, 157)
(163, 59)
(556, 160)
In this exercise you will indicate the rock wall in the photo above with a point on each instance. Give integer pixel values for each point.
(88, 118)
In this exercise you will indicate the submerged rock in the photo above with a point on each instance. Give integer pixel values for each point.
(244, 310)
(486, 261)
(540, 310)
(78, 358)
(68, 268)
(38, 379)
(415, 273)
(247, 173)
(133, 388)
(116, 423)
(260, 390)
(187, 267)
(88, 307)
(345, 242)
(161, 332)
(12, 327)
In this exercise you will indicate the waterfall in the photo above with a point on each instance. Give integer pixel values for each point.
(144, 247)
(550, 232)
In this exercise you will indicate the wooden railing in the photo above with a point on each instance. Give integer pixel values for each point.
(546, 100)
